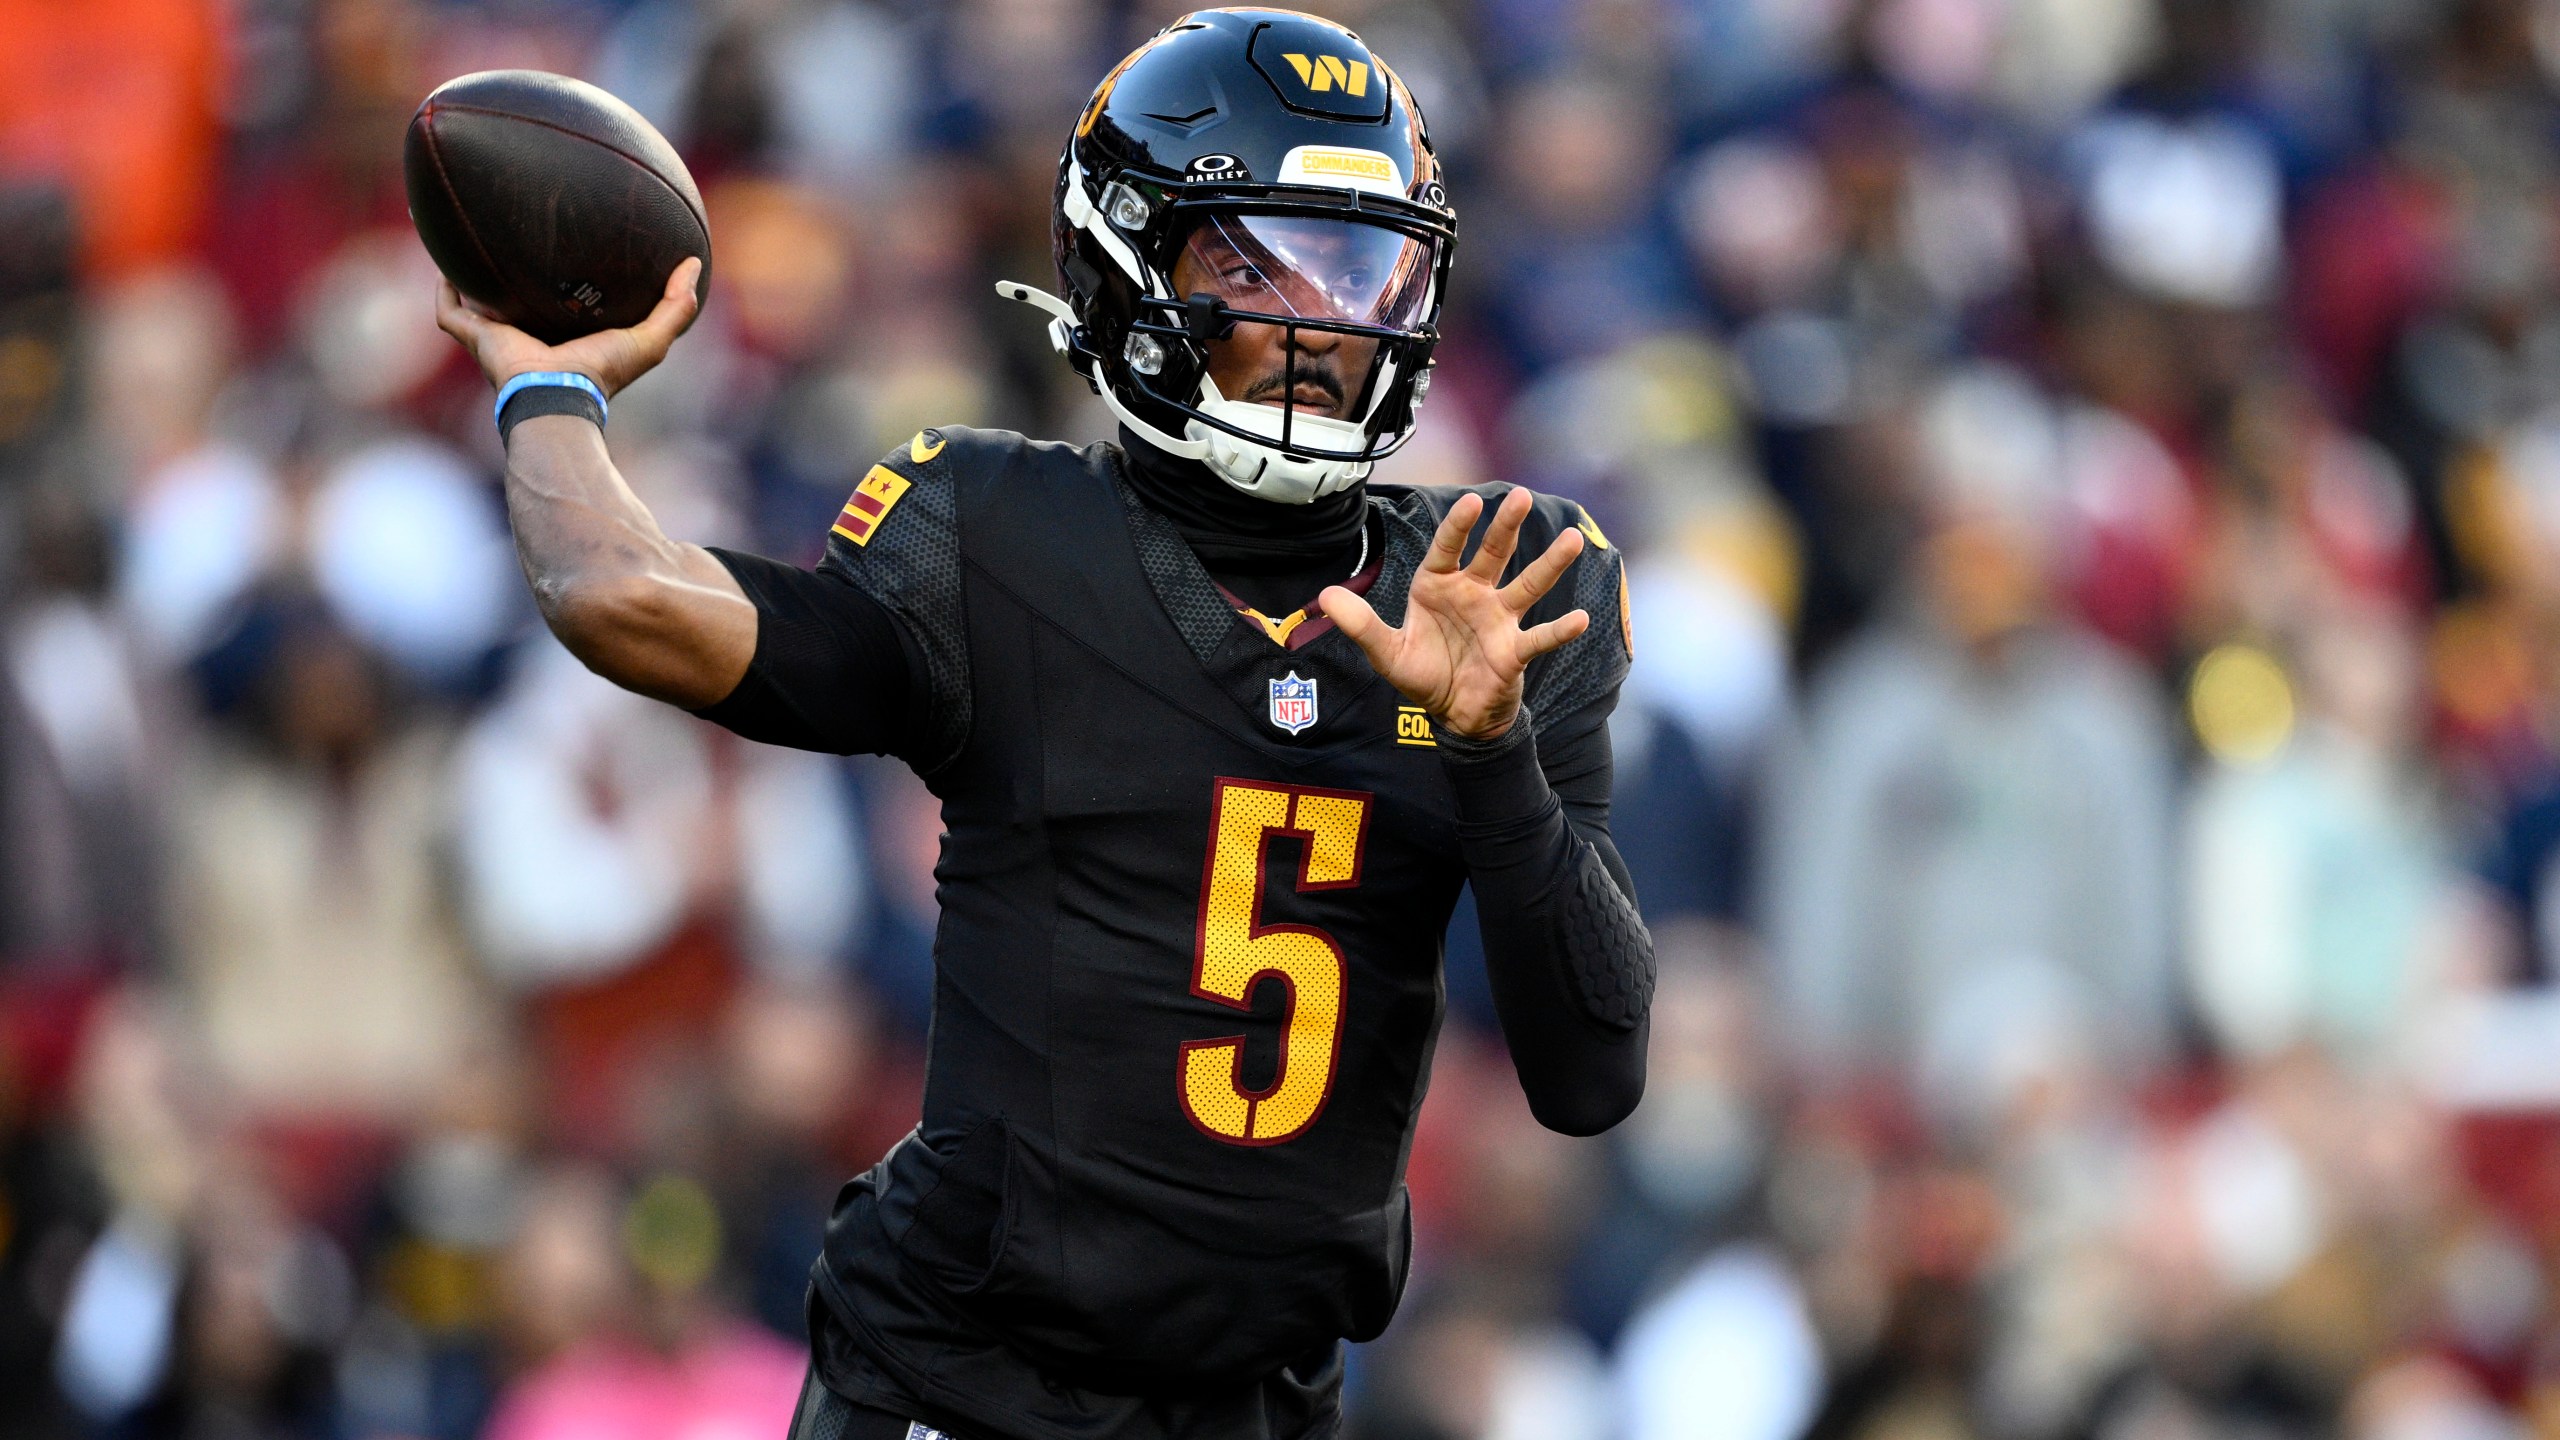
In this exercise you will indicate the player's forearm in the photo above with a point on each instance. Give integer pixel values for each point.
(648, 613)
(1569, 959)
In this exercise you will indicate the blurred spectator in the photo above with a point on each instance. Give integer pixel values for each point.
(1968, 845)
(311, 922)
(260, 1303)
(611, 1327)
(1471, 1365)
(82, 794)
(798, 1062)
(1575, 260)
(820, 90)
(420, 1356)
(161, 347)
(620, 859)
(2320, 891)
(345, 75)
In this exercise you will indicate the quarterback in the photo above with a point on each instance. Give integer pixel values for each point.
(1219, 725)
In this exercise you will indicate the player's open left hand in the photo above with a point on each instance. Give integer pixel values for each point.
(611, 358)
(1461, 651)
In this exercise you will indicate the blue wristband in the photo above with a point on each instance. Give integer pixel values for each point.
(534, 378)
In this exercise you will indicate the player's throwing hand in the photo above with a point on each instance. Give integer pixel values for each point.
(611, 358)
(1461, 652)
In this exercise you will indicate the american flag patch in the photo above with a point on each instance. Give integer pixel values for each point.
(870, 504)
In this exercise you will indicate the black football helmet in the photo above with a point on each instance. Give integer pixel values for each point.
(1293, 165)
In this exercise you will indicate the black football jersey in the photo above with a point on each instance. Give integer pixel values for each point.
(1193, 887)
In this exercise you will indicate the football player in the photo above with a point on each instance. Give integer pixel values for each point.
(1219, 726)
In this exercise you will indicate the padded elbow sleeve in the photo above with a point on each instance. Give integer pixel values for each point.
(1610, 953)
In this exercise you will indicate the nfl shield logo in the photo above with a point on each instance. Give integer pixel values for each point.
(1293, 703)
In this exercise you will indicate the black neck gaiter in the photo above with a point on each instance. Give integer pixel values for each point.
(1234, 533)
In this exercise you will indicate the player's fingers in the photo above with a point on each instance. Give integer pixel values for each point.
(674, 312)
(1540, 575)
(1501, 537)
(1537, 640)
(1450, 540)
(475, 309)
(1352, 616)
(453, 317)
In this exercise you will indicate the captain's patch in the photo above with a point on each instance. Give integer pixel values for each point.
(872, 500)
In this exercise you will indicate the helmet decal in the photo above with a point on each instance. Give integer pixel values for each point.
(1315, 67)
(1338, 165)
(1322, 72)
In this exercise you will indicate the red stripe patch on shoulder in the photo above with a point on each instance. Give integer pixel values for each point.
(871, 503)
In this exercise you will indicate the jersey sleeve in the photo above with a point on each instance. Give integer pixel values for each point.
(833, 671)
(1575, 688)
(897, 540)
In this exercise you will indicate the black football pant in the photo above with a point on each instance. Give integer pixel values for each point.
(825, 1415)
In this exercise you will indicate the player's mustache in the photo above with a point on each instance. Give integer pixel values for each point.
(1276, 384)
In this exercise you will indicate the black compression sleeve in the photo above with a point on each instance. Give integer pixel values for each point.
(1568, 956)
(833, 669)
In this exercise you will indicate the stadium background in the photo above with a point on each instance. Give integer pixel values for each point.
(2092, 469)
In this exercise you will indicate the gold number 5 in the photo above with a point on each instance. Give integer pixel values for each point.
(1234, 953)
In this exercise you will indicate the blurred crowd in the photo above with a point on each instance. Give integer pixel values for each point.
(2092, 763)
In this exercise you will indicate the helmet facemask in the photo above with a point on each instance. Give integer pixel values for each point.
(1301, 324)
(1344, 292)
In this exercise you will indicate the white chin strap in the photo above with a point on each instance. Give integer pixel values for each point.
(1265, 471)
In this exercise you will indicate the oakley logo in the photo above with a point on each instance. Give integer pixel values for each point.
(1435, 196)
(1323, 72)
(1216, 167)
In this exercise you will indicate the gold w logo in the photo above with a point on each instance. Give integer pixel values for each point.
(1322, 72)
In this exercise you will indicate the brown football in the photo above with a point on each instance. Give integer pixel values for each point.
(550, 202)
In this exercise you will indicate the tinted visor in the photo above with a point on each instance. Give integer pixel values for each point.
(1312, 269)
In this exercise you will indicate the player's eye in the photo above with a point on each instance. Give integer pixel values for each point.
(1243, 275)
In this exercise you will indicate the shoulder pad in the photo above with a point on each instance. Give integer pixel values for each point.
(1588, 671)
(897, 540)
